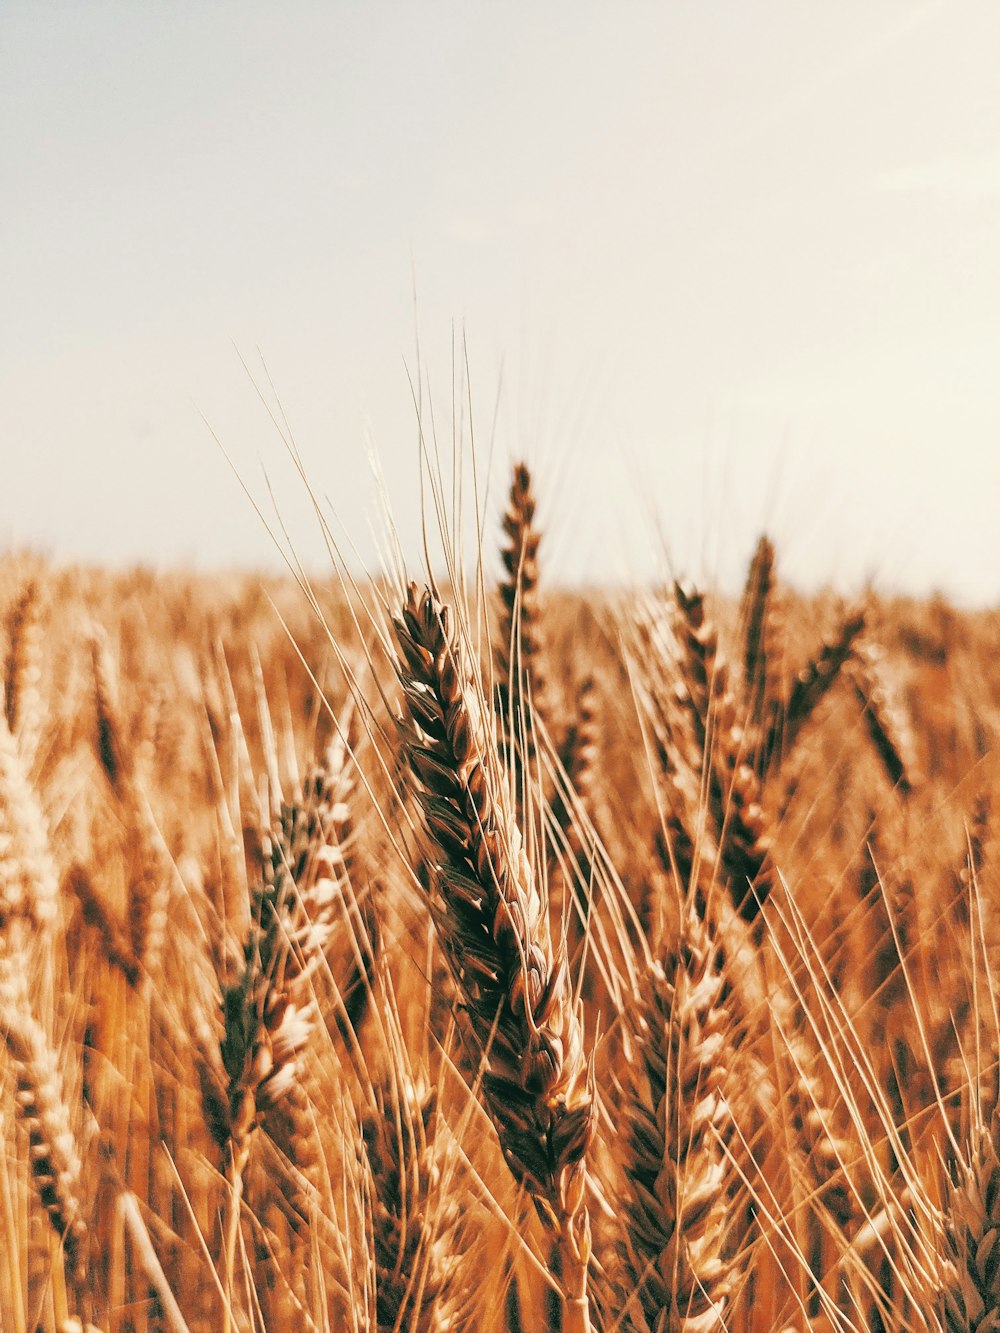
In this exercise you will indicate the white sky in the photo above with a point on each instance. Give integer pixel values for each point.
(740, 264)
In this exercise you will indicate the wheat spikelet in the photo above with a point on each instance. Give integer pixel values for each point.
(979, 835)
(325, 874)
(784, 1084)
(811, 1119)
(492, 924)
(676, 1273)
(149, 894)
(23, 673)
(681, 842)
(745, 834)
(703, 675)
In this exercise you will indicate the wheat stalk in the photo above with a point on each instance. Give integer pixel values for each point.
(676, 1271)
(969, 1300)
(810, 687)
(734, 798)
(491, 921)
(270, 1010)
(413, 1228)
(519, 658)
(43, 1110)
(150, 872)
(23, 673)
(886, 726)
(755, 614)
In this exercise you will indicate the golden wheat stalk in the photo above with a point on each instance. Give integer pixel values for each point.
(43, 1110)
(23, 673)
(676, 1267)
(149, 871)
(734, 799)
(811, 685)
(413, 1227)
(491, 920)
(519, 658)
(883, 718)
(969, 1300)
(270, 1009)
(755, 615)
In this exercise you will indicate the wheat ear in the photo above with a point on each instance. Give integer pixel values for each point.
(969, 1300)
(676, 1273)
(755, 617)
(492, 923)
(41, 1107)
(269, 1010)
(519, 656)
(149, 870)
(412, 1225)
(742, 829)
(98, 915)
(886, 726)
(23, 673)
(810, 687)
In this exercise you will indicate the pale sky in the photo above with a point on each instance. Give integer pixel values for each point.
(730, 267)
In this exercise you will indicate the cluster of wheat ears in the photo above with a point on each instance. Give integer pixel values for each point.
(476, 956)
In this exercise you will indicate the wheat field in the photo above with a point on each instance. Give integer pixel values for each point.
(466, 954)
